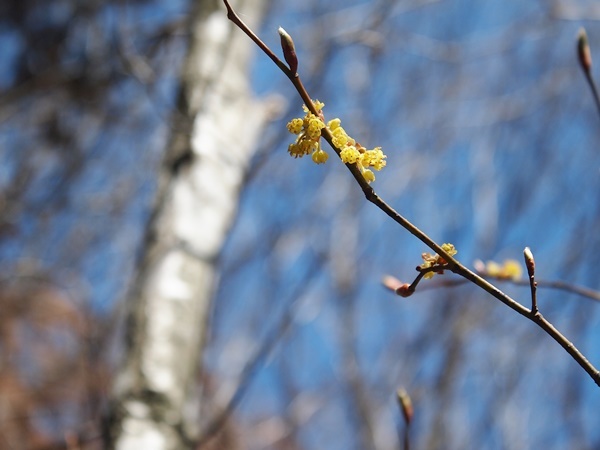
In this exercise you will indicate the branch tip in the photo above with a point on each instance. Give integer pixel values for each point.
(583, 51)
(405, 403)
(529, 261)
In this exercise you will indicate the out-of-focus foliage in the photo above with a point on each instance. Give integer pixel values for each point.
(86, 89)
(491, 136)
(54, 374)
(85, 95)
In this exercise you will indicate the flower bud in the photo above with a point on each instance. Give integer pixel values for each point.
(405, 404)
(529, 262)
(289, 51)
(583, 51)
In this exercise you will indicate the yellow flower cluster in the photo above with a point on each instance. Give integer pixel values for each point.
(430, 260)
(351, 152)
(308, 130)
(510, 269)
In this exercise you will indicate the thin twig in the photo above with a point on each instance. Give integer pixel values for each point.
(273, 336)
(406, 407)
(452, 264)
(584, 55)
(546, 284)
(533, 286)
(249, 372)
(592, 83)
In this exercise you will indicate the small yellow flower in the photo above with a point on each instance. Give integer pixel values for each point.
(369, 175)
(317, 104)
(510, 269)
(294, 150)
(374, 158)
(295, 125)
(513, 269)
(349, 155)
(340, 141)
(430, 260)
(320, 156)
(450, 249)
(340, 138)
(493, 269)
(301, 148)
(313, 130)
(334, 124)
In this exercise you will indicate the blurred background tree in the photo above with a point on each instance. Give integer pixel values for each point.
(491, 135)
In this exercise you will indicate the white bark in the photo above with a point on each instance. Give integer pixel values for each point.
(197, 202)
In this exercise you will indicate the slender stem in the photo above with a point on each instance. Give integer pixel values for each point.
(591, 82)
(232, 15)
(414, 284)
(547, 284)
(568, 287)
(452, 264)
(533, 287)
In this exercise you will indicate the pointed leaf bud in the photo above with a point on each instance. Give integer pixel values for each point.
(529, 261)
(405, 404)
(583, 51)
(289, 51)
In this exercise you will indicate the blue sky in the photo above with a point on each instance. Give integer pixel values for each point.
(491, 135)
(490, 131)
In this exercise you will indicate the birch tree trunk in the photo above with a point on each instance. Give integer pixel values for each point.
(208, 154)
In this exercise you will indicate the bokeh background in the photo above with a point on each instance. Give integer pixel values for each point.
(492, 138)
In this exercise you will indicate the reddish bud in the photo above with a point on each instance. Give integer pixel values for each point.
(394, 284)
(405, 290)
(583, 51)
(289, 51)
(405, 404)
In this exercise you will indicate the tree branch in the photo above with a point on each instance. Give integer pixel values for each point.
(452, 264)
